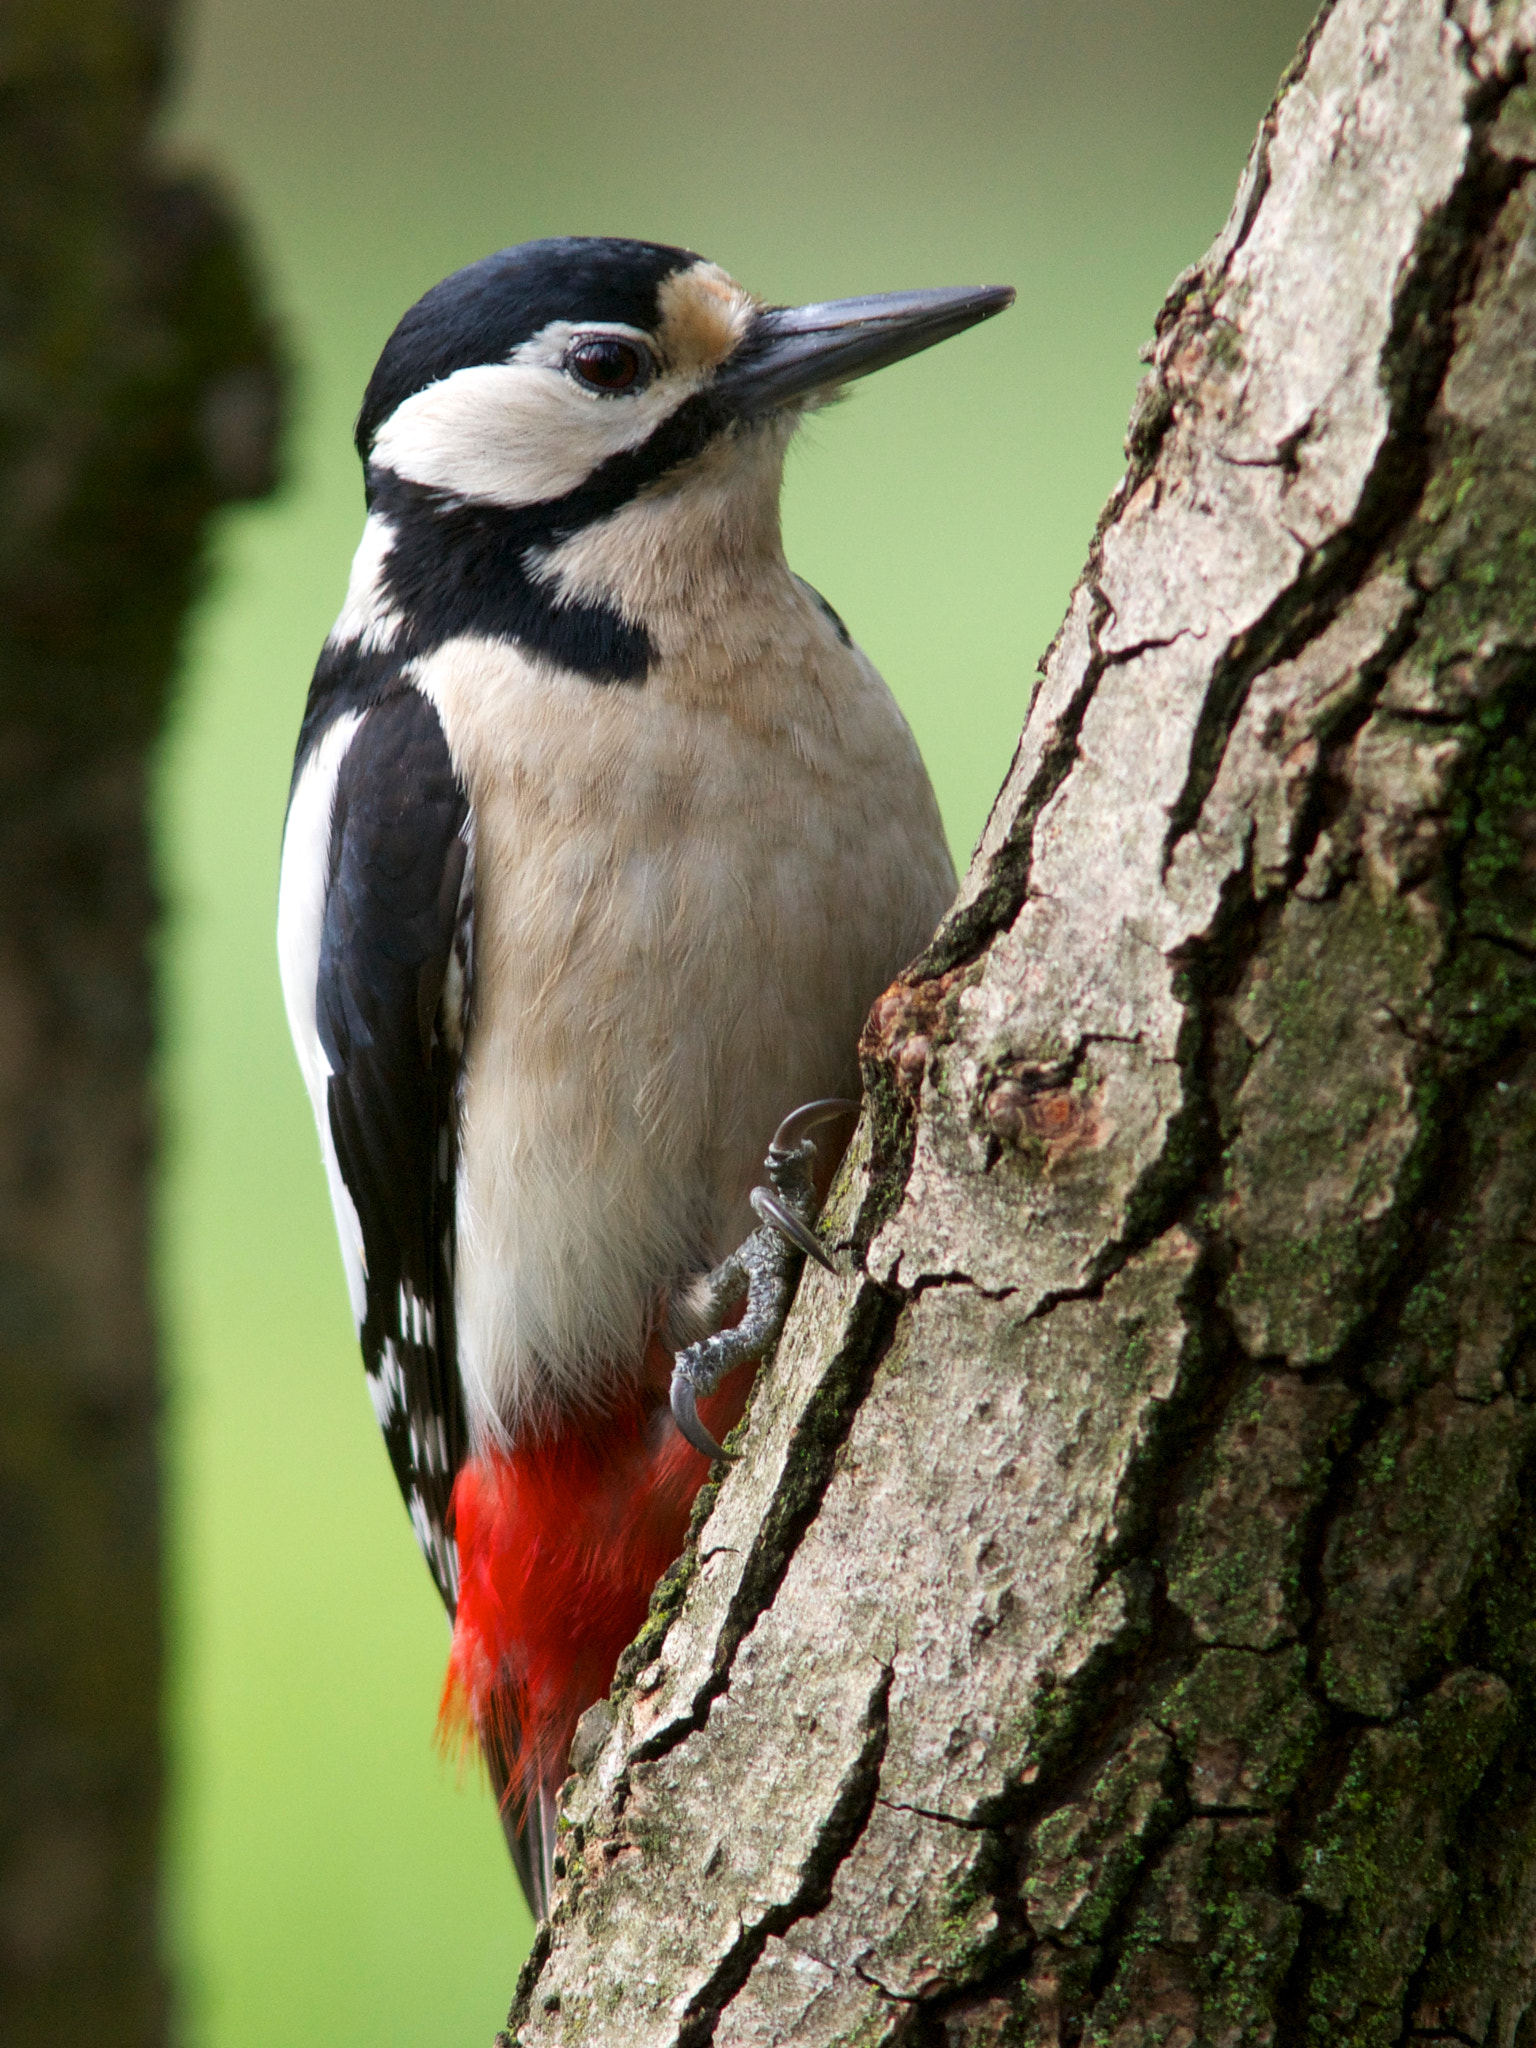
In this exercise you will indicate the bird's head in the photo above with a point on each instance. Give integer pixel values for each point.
(614, 411)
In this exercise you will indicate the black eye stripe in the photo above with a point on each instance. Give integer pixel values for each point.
(605, 363)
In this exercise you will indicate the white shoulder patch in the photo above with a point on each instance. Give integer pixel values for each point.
(300, 916)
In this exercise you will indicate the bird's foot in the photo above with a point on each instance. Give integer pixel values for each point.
(763, 1268)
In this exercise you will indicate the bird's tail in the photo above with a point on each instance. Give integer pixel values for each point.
(561, 1541)
(529, 1824)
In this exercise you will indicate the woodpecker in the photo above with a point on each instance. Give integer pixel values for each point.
(603, 835)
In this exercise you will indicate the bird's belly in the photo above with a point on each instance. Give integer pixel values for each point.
(680, 922)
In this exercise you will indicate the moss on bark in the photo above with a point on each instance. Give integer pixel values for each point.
(1188, 1496)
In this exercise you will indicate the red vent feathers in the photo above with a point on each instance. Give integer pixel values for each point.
(560, 1543)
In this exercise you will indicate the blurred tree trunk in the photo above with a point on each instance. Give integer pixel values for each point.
(1121, 1625)
(137, 392)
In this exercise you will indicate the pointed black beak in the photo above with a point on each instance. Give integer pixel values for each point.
(791, 350)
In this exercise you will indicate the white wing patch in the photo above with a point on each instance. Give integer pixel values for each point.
(429, 1445)
(440, 1553)
(386, 1387)
(418, 1323)
(300, 915)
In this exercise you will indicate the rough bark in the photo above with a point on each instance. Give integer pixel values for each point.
(137, 392)
(1119, 1626)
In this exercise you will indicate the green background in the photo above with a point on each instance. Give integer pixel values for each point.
(334, 1881)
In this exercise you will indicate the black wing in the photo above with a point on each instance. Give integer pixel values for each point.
(390, 1005)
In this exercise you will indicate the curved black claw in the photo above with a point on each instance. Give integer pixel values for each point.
(764, 1268)
(685, 1413)
(786, 1205)
(810, 1116)
(788, 1224)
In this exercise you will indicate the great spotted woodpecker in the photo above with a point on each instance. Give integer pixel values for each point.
(603, 835)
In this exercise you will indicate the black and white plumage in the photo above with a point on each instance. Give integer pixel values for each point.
(387, 957)
(603, 834)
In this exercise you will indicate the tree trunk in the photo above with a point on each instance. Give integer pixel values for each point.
(1121, 1624)
(137, 392)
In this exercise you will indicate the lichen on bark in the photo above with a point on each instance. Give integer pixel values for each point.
(1118, 1627)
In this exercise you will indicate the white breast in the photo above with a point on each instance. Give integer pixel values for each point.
(687, 895)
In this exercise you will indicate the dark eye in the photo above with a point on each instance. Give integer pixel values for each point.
(604, 363)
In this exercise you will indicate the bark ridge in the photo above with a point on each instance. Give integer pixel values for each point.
(1118, 1629)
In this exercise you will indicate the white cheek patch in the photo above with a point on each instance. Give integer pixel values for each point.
(520, 432)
